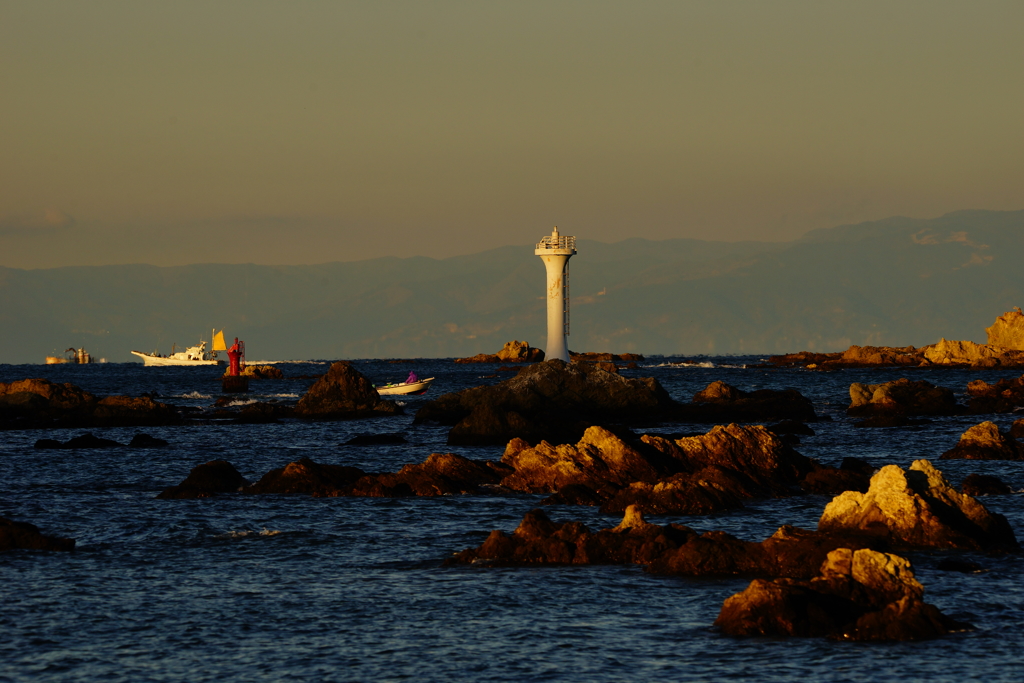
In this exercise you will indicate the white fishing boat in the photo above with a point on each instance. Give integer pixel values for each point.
(406, 388)
(193, 355)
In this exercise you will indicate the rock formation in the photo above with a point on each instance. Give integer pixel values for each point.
(38, 403)
(343, 393)
(672, 549)
(263, 372)
(512, 352)
(947, 352)
(1008, 330)
(917, 508)
(721, 403)
(1002, 397)
(860, 595)
(207, 480)
(901, 398)
(553, 401)
(853, 357)
(440, 474)
(15, 535)
(985, 442)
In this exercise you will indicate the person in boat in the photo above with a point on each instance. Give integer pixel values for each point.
(412, 379)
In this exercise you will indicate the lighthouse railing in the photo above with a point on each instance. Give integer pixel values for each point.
(560, 242)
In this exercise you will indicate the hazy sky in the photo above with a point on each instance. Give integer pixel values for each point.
(304, 132)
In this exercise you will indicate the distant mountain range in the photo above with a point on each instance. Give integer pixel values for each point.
(895, 282)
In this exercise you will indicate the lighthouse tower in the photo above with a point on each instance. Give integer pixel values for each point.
(556, 250)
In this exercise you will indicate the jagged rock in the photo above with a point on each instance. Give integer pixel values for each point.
(1008, 330)
(538, 540)
(598, 460)
(207, 480)
(343, 393)
(984, 485)
(949, 352)
(512, 352)
(985, 442)
(553, 401)
(441, 474)
(1002, 397)
(14, 535)
(673, 549)
(860, 595)
(1017, 429)
(262, 372)
(901, 397)
(917, 508)
(722, 403)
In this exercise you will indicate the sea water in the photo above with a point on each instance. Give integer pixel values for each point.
(249, 588)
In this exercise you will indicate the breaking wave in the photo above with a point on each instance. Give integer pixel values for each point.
(193, 394)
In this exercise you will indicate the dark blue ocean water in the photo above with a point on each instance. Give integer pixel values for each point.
(347, 589)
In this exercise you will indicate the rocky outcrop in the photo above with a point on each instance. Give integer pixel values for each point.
(722, 403)
(984, 485)
(512, 352)
(901, 398)
(917, 508)
(39, 403)
(207, 480)
(553, 401)
(262, 372)
(132, 410)
(859, 595)
(968, 353)
(688, 475)
(853, 474)
(596, 357)
(1002, 397)
(440, 474)
(1008, 330)
(343, 393)
(853, 357)
(985, 442)
(673, 549)
(14, 535)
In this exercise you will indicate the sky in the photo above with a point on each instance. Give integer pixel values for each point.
(308, 132)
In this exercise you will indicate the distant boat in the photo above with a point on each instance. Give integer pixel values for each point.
(193, 355)
(419, 387)
(70, 356)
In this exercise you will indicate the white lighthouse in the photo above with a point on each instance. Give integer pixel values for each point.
(556, 250)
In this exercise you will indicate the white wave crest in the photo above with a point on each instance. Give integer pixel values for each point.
(193, 394)
(242, 403)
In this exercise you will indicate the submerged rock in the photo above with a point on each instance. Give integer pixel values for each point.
(985, 442)
(553, 401)
(918, 508)
(376, 439)
(860, 595)
(14, 535)
(207, 480)
(343, 393)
